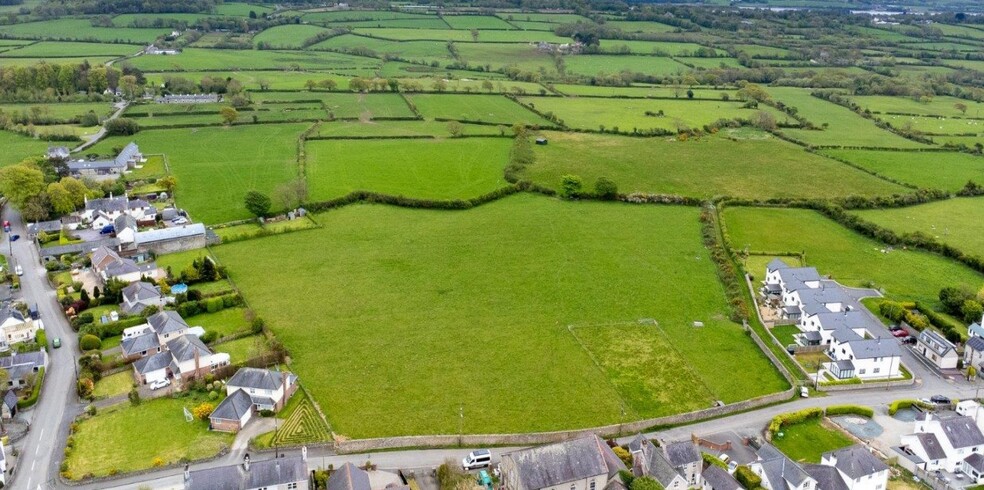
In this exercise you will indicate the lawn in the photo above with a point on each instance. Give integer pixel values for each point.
(114, 385)
(411, 304)
(105, 443)
(707, 167)
(427, 169)
(216, 166)
(805, 442)
(478, 108)
(302, 424)
(948, 171)
(958, 222)
(243, 349)
(784, 333)
(152, 168)
(224, 322)
(849, 258)
(17, 148)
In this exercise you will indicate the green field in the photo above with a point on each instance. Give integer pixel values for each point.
(477, 108)
(46, 49)
(401, 128)
(80, 30)
(641, 27)
(461, 35)
(426, 169)
(410, 304)
(17, 147)
(936, 124)
(476, 22)
(425, 51)
(198, 59)
(251, 80)
(958, 222)
(59, 113)
(708, 167)
(216, 166)
(225, 322)
(592, 65)
(679, 92)
(849, 258)
(947, 170)
(290, 36)
(365, 106)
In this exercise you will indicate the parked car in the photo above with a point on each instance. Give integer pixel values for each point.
(804, 392)
(56, 343)
(14, 238)
(900, 333)
(939, 400)
(724, 457)
(161, 383)
(895, 327)
(107, 230)
(19, 270)
(179, 220)
(732, 466)
(909, 340)
(481, 458)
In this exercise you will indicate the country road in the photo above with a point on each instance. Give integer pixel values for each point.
(93, 139)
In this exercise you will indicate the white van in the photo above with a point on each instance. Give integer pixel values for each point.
(481, 458)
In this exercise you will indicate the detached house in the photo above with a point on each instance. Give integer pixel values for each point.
(264, 389)
(139, 296)
(944, 443)
(108, 265)
(15, 327)
(854, 356)
(937, 349)
(974, 352)
(183, 358)
(273, 474)
(778, 472)
(586, 463)
(22, 367)
(349, 477)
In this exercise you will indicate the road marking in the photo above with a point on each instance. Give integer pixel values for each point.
(32, 465)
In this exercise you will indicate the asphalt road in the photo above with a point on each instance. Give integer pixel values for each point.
(41, 450)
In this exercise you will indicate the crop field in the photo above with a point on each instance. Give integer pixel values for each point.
(17, 147)
(198, 59)
(80, 30)
(476, 22)
(938, 106)
(401, 128)
(51, 49)
(948, 171)
(630, 114)
(708, 167)
(366, 106)
(478, 108)
(958, 222)
(848, 257)
(216, 166)
(290, 36)
(425, 169)
(845, 127)
(413, 291)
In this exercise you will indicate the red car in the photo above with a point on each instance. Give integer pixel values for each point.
(900, 333)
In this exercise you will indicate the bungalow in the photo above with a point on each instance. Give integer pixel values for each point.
(139, 296)
(183, 358)
(586, 463)
(22, 367)
(649, 460)
(778, 472)
(16, 327)
(937, 349)
(272, 474)
(57, 153)
(263, 388)
(349, 477)
(716, 478)
(854, 356)
(49, 227)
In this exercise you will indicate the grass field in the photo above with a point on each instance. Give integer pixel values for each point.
(655, 91)
(805, 442)
(959, 221)
(401, 128)
(479, 108)
(410, 305)
(70, 49)
(848, 257)
(198, 59)
(216, 166)
(426, 51)
(59, 112)
(649, 47)
(476, 22)
(948, 171)
(243, 349)
(224, 322)
(17, 147)
(759, 51)
(704, 168)
(641, 27)
(80, 30)
(251, 80)
(428, 169)
(461, 35)
(591, 65)
(365, 106)
(290, 36)
(105, 442)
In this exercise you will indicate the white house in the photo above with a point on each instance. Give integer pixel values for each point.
(182, 358)
(107, 264)
(586, 463)
(778, 472)
(974, 352)
(716, 478)
(152, 337)
(854, 356)
(128, 158)
(125, 226)
(283, 473)
(264, 389)
(15, 327)
(827, 322)
(937, 349)
(943, 443)
(686, 460)
(857, 468)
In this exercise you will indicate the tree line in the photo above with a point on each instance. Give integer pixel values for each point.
(52, 82)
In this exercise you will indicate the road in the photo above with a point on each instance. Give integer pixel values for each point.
(91, 140)
(41, 450)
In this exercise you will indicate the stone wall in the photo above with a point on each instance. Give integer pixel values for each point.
(175, 245)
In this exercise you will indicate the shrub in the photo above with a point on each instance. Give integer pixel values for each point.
(748, 478)
(213, 395)
(570, 186)
(85, 387)
(897, 405)
(89, 342)
(791, 418)
(711, 459)
(210, 336)
(203, 410)
(267, 413)
(606, 189)
(850, 410)
(645, 483)
(623, 454)
(121, 127)
(158, 462)
(134, 397)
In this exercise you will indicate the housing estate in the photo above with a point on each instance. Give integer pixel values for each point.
(141, 295)
(937, 349)
(586, 463)
(950, 442)
(249, 391)
(16, 327)
(851, 468)
(127, 159)
(285, 473)
(108, 265)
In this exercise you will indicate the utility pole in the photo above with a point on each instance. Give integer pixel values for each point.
(461, 423)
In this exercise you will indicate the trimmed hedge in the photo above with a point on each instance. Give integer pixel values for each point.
(35, 391)
(897, 405)
(748, 478)
(791, 418)
(850, 410)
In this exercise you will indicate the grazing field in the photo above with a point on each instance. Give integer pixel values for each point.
(476, 22)
(759, 51)
(849, 258)
(366, 106)
(477, 108)
(17, 147)
(500, 55)
(290, 36)
(411, 304)
(709, 63)
(425, 51)
(935, 124)
(361, 15)
(80, 30)
(656, 91)
(241, 9)
(58, 113)
(426, 169)
(958, 222)
(402, 128)
(630, 114)
(423, 23)
(216, 166)
(641, 27)
(662, 48)
(252, 80)
(591, 65)
(938, 170)
(50, 49)
(197, 59)
(127, 20)
(710, 166)
(462, 35)
(271, 113)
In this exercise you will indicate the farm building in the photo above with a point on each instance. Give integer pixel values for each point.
(128, 158)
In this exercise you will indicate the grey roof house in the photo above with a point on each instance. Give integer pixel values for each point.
(649, 460)
(272, 474)
(586, 462)
(349, 477)
(778, 472)
(139, 296)
(937, 349)
(716, 478)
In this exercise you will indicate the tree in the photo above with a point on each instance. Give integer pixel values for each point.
(229, 115)
(570, 186)
(95, 292)
(474, 35)
(257, 203)
(85, 387)
(690, 94)
(129, 86)
(394, 84)
(60, 199)
(168, 183)
(606, 189)
(252, 14)
(971, 310)
(455, 128)
(623, 454)
(971, 372)
(754, 92)
(121, 126)
(290, 195)
(765, 121)
(960, 106)
(439, 85)
(953, 298)
(358, 84)
(21, 182)
(76, 189)
(645, 483)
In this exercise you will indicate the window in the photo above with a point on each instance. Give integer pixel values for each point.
(291, 486)
(592, 486)
(877, 370)
(861, 371)
(573, 486)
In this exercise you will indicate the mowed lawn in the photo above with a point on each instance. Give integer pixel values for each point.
(938, 170)
(707, 167)
(848, 257)
(478, 108)
(396, 318)
(426, 169)
(807, 441)
(216, 166)
(958, 222)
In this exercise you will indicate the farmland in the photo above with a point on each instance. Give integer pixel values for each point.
(922, 169)
(958, 222)
(475, 108)
(426, 258)
(79, 30)
(17, 148)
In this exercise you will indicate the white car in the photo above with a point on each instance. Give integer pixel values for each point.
(804, 392)
(732, 466)
(19, 270)
(179, 221)
(161, 383)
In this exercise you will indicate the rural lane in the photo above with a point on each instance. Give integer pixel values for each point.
(91, 140)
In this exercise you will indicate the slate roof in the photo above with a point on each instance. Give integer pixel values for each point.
(577, 459)
(137, 204)
(153, 363)
(277, 471)
(653, 463)
(139, 291)
(962, 432)
(123, 222)
(856, 462)
(719, 479)
(170, 233)
(58, 152)
(349, 477)
(7, 312)
(844, 365)
(776, 264)
(824, 295)
(184, 347)
(975, 461)
(143, 342)
(827, 477)
(682, 453)
(124, 266)
(32, 359)
(10, 399)
(107, 204)
(975, 330)
(233, 407)
(846, 335)
(221, 478)
(167, 322)
(795, 278)
(45, 226)
(872, 348)
(931, 445)
(261, 379)
(779, 469)
(975, 343)
(845, 319)
(936, 342)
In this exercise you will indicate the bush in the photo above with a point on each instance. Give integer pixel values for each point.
(89, 342)
(213, 395)
(570, 186)
(41, 338)
(623, 454)
(850, 410)
(210, 336)
(897, 405)
(791, 418)
(203, 410)
(121, 127)
(710, 459)
(606, 189)
(748, 478)
(134, 397)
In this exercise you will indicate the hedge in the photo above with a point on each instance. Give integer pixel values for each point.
(748, 478)
(31, 400)
(904, 404)
(791, 418)
(850, 410)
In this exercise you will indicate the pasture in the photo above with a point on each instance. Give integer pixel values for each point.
(52, 49)
(958, 222)
(939, 170)
(425, 169)
(17, 147)
(365, 106)
(846, 256)
(80, 30)
(255, 80)
(679, 92)
(198, 59)
(426, 51)
(710, 166)
(941, 106)
(402, 128)
(476, 22)
(461, 35)
(409, 305)
(591, 65)
(216, 166)
(476, 108)
(290, 36)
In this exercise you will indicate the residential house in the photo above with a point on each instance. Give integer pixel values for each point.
(825, 323)
(16, 327)
(182, 358)
(851, 468)
(108, 265)
(264, 388)
(125, 227)
(649, 460)
(976, 329)
(52, 227)
(586, 463)
(716, 478)
(686, 460)
(9, 406)
(286, 473)
(349, 477)
(937, 349)
(974, 353)
(155, 51)
(142, 211)
(127, 159)
(22, 368)
(57, 153)
(778, 472)
(141, 295)
(854, 356)
(943, 443)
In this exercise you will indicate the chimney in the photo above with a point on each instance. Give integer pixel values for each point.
(187, 474)
(246, 462)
